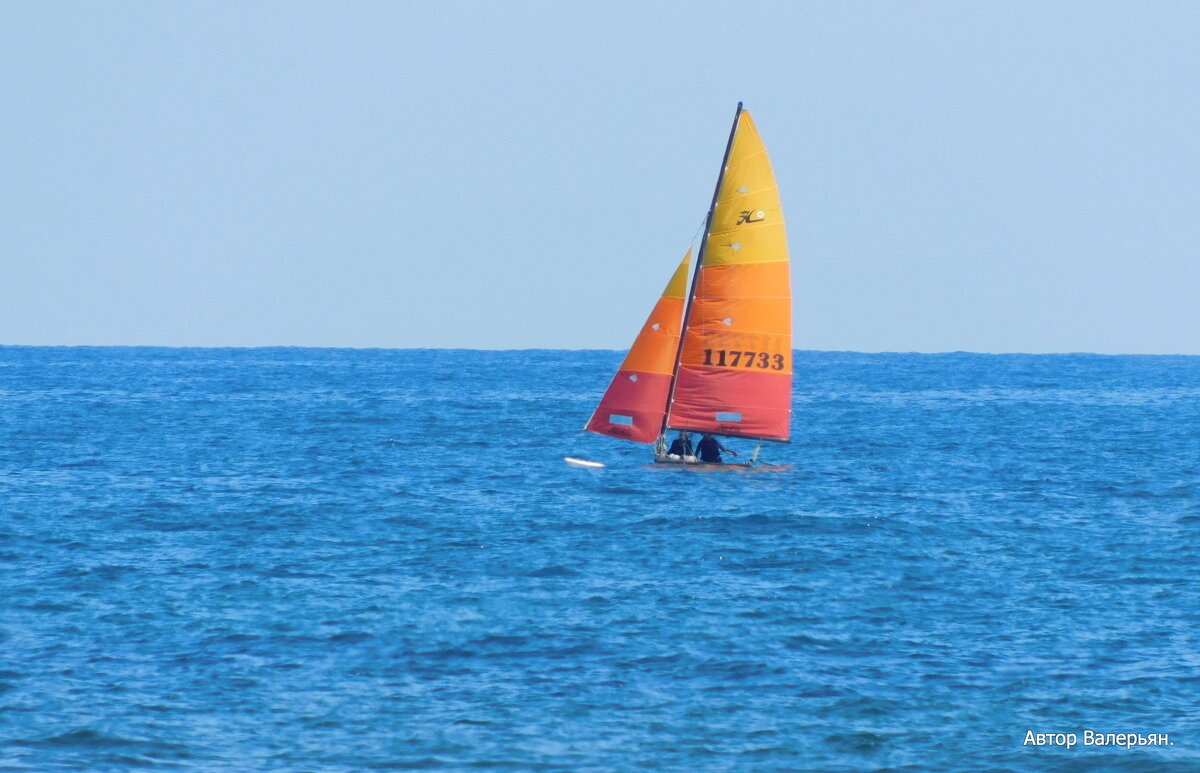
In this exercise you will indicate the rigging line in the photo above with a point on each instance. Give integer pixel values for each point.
(699, 228)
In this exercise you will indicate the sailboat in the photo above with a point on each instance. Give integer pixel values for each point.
(715, 355)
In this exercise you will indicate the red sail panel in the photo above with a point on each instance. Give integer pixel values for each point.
(633, 407)
(635, 402)
(735, 375)
(734, 403)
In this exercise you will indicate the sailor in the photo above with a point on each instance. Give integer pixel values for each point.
(710, 449)
(682, 445)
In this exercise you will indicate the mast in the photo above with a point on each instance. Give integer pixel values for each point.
(687, 310)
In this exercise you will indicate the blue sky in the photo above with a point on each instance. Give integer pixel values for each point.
(956, 176)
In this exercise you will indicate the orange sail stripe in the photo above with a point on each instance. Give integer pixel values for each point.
(717, 351)
(741, 315)
(735, 375)
(635, 402)
(761, 280)
(654, 349)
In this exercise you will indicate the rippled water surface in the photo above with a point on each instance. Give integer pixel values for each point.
(341, 560)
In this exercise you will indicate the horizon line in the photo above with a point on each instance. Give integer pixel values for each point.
(567, 349)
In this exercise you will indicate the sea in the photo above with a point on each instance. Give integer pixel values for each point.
(291, 559)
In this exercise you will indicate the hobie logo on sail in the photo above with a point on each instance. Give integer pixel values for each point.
(748, 216)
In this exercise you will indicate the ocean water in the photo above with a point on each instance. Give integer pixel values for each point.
(344, 560)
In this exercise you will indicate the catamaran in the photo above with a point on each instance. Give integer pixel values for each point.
(715, 356)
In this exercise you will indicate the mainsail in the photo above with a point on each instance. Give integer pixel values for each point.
(735, 365)
(635, 403)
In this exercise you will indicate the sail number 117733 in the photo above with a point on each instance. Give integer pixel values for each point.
(732, 358)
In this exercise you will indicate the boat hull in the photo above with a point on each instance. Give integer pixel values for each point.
(692, 463)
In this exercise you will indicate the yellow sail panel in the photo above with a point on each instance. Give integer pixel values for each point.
(747, 223)
(739, 247)
(677, 287)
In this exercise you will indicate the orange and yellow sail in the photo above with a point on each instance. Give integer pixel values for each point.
(717, 359)
(635, 403)
(735, 371)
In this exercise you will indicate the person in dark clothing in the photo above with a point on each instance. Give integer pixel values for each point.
(682, 445)
(710, 450)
